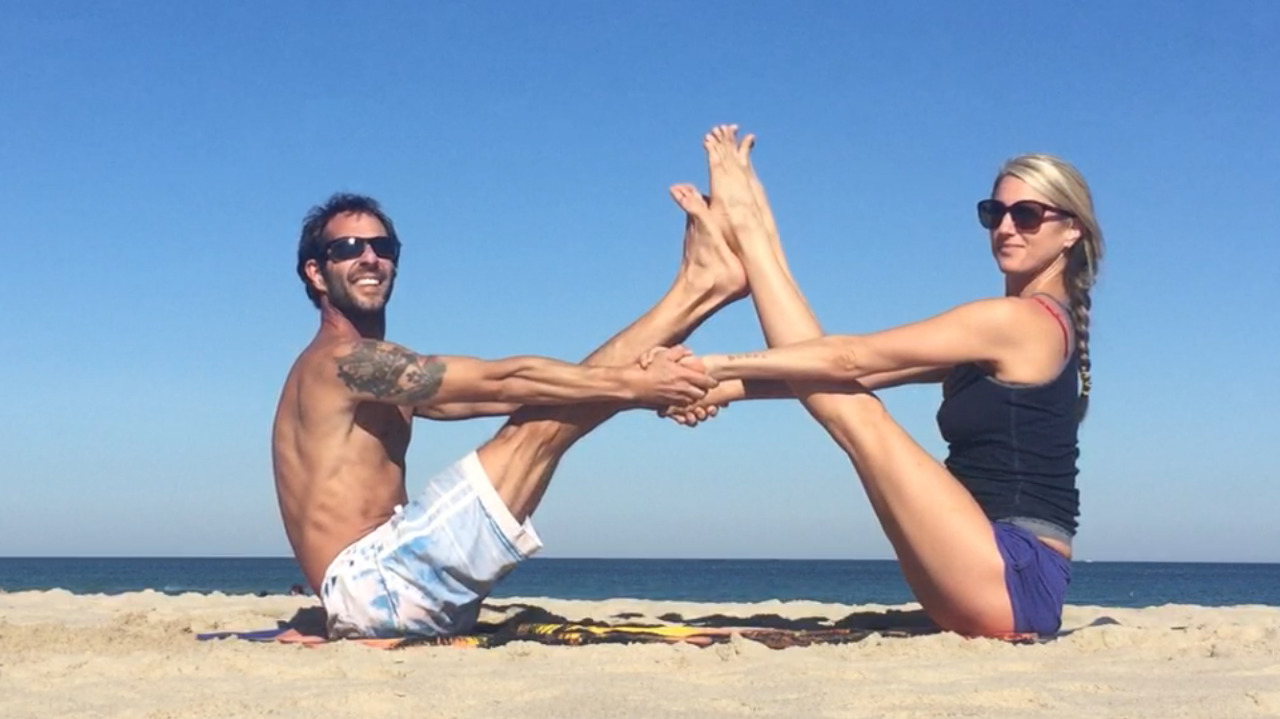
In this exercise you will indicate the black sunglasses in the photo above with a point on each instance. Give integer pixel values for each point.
(1027, 215)
(349, 248)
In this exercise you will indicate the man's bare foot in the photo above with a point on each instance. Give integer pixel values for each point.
(708, 262)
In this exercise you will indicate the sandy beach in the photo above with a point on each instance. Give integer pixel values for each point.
(136, 655)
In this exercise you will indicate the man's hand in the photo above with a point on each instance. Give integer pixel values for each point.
(690, 415)
(671, 376)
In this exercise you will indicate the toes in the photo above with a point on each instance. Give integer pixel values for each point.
(719, 141)
(690, 200)
(724, 133)
(744, 149)
(728, 136)
(693, 202)
(724, 149)
(712, 146)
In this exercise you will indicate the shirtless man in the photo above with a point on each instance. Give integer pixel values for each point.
(386, 566)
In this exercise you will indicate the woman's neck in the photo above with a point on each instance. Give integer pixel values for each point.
(1048, 281)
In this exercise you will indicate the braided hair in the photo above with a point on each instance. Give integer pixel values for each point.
(1065, 187)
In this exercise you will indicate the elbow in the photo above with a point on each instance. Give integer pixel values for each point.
(846, 361)
(508, 383)
(427, 411)
(503, 390)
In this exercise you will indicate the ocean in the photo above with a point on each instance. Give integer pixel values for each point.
(1116, 584)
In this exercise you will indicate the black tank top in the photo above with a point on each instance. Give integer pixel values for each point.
(1014, 447)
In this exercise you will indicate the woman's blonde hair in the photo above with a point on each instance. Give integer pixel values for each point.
(1063, 186)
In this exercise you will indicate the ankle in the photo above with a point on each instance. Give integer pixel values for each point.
(696, 295)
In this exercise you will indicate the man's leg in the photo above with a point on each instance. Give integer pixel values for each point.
(523, 455)
(440, 558)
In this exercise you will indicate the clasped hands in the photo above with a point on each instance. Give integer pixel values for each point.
(699, 410)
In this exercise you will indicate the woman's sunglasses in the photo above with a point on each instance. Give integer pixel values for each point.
(1027, 215)
(349, 248)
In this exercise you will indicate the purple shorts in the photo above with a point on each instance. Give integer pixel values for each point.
(1037, 578)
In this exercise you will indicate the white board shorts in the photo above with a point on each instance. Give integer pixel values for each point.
(427, 569)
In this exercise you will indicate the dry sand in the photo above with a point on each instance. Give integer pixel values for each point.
(135, 655)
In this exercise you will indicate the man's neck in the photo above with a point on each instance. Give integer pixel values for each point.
(365, 326)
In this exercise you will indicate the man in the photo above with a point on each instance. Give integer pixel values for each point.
(385, 566)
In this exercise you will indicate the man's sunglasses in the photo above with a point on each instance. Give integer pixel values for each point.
(349, 248)
(1027, 215)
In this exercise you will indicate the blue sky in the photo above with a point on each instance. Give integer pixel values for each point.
(156, 161)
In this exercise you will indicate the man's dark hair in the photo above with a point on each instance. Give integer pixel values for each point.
(311, 243)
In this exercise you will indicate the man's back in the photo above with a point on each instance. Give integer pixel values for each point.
(339, 465)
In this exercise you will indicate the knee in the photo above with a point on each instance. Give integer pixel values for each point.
(982, 610)
(975, 621)
(519, 452)
(523, 443)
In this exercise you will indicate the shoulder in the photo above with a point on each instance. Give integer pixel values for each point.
(1007, 321)
(321, 355)
(996, 313)
(334, 359)
(370, 355)
(358, 347)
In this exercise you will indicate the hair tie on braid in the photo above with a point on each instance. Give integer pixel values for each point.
(1079, 282)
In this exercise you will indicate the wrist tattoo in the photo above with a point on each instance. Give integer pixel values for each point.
(388, 372)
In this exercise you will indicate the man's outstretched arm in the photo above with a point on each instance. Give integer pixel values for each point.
(455, 411)
(379, 371)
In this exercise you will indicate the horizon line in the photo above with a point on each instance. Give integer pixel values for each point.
(625, 559)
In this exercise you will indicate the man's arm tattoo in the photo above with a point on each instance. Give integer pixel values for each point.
(746, 356)
(393, 373)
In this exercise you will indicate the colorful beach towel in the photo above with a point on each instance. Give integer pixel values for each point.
(534, 624)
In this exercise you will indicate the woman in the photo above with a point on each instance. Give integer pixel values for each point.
(984, 540)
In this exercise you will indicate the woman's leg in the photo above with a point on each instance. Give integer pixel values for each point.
(944, 542)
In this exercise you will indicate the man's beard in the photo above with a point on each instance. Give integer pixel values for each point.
(354, 305)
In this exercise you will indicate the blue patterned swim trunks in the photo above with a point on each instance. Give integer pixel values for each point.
(427, 569)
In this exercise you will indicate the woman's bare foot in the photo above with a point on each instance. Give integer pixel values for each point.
(731, 193)
(743, 155)
(708, 261)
